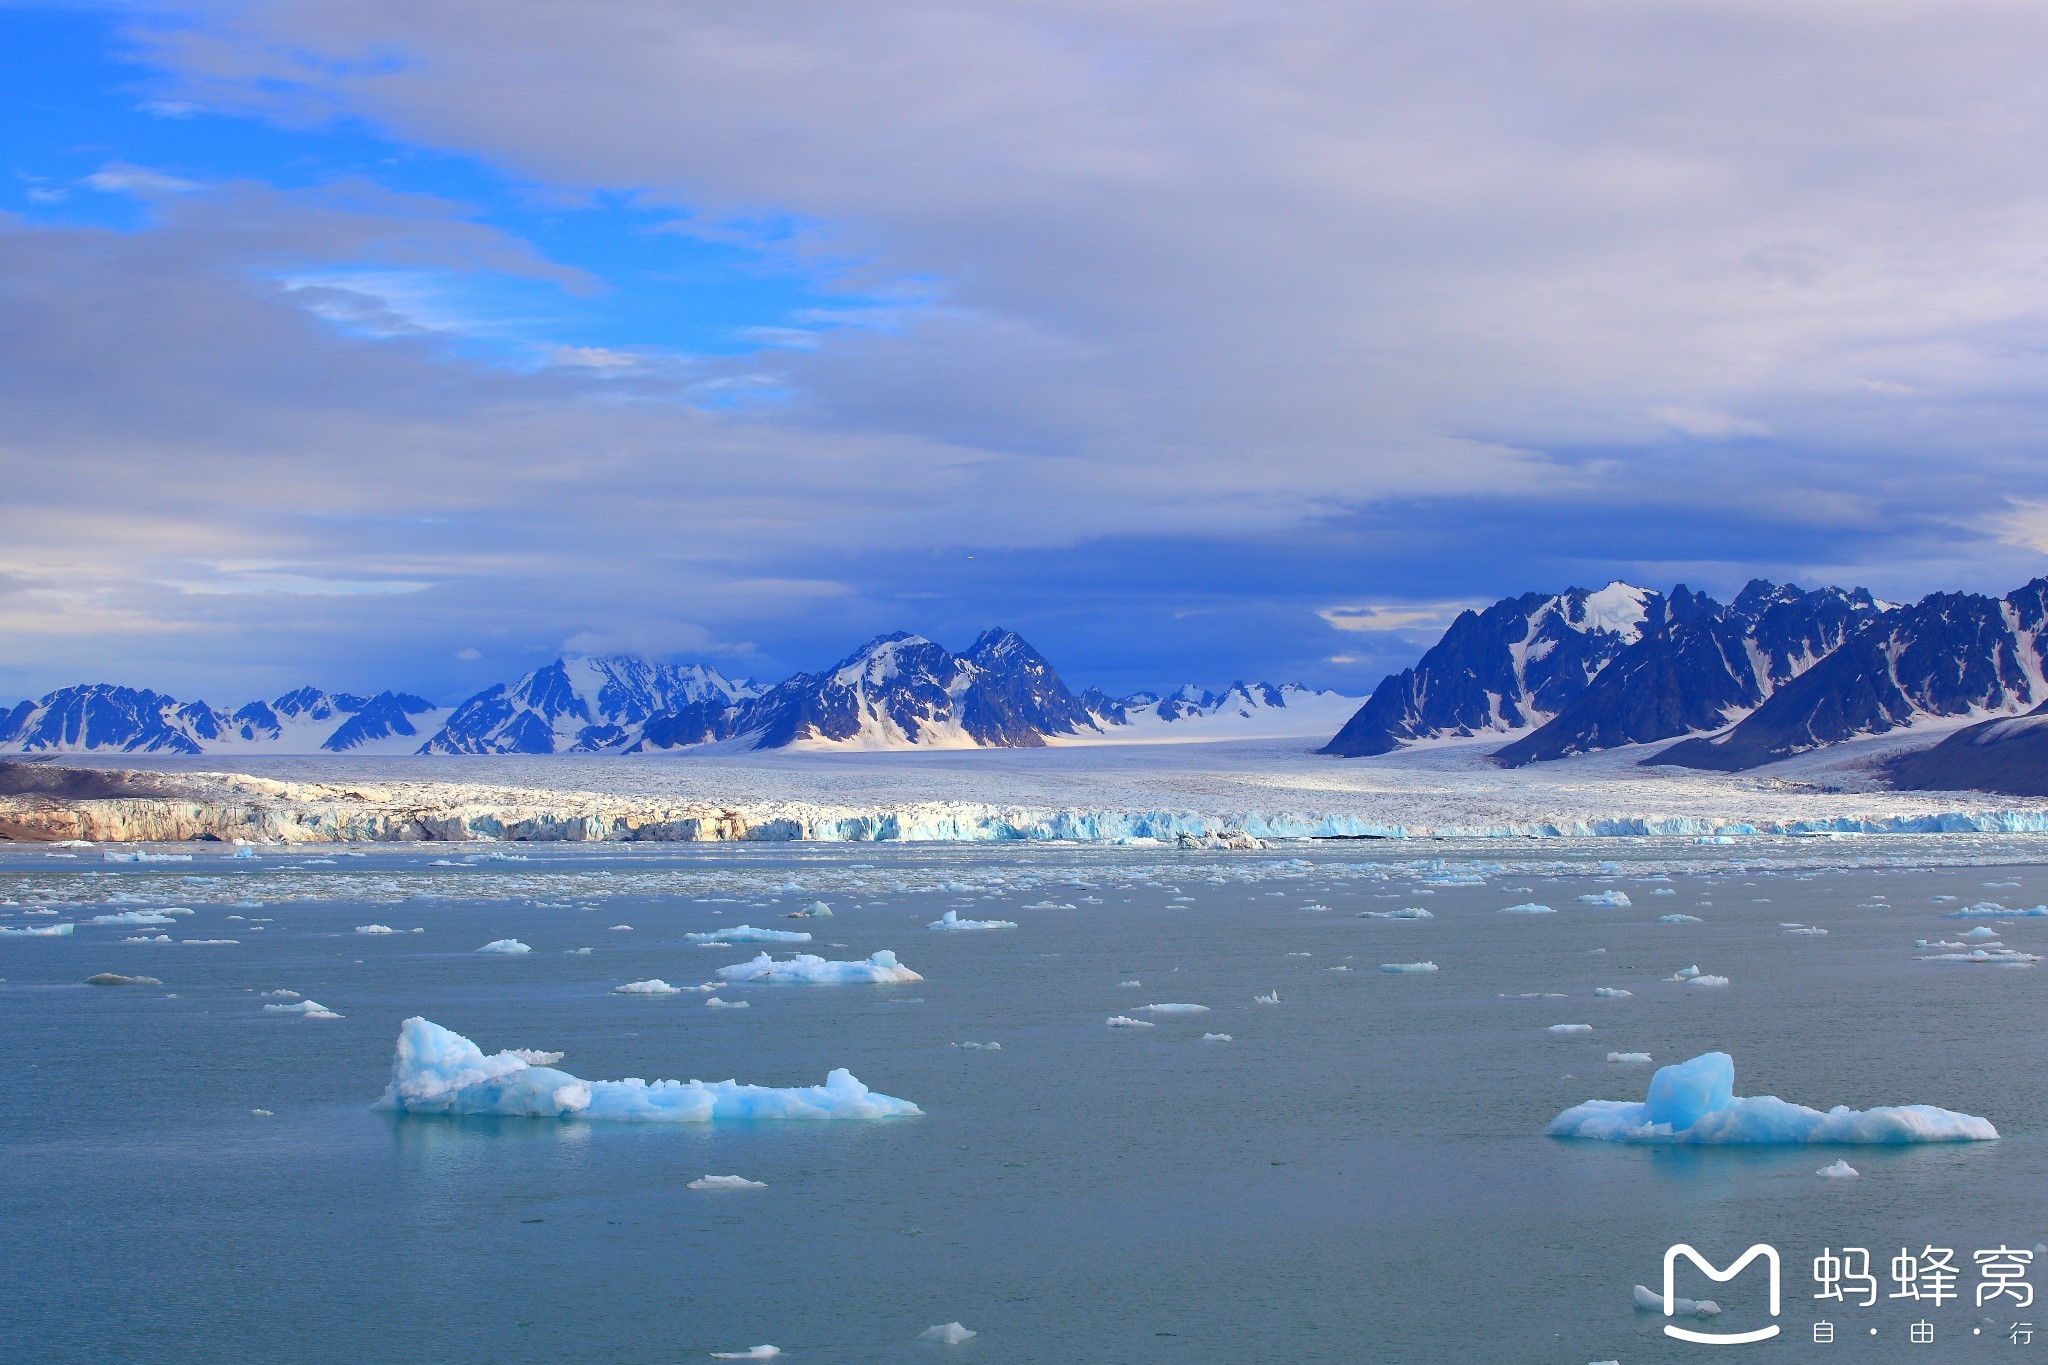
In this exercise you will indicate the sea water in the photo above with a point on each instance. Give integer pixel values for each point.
(1359, 1174)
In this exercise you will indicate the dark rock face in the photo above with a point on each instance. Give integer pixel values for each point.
(383, 716)
(1519, 662)
(111, 718)
(2008, 755)
(1700, 668)
(1946, 655)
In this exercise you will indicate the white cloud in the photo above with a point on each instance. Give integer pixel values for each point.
(1392, 616)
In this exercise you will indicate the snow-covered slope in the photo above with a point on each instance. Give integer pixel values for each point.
(579, 705)
(1506, 669)
(1195, 715)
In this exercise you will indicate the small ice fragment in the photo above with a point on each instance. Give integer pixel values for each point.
(510, 947)
(810, 969)
(1808, 931)
(1981, 931)
(1272, 999)
(726, 1182)
(652, 986)
(715, 1003)
(261, 1114)
(375, 929)
(1682, 1308)
(947, 1333)
(979, 1047)
(747, 933)
(1840, 1170)
(1679, 919)
(1411, 912)
(1123, 984)
(1705, 982)
(116, 979)
(1125, 1021)
(1684, 974)
(305, 1009)
(533, 1056)
(1629, 1058)
(1174, 1007)
(763, 1352)
(1406, 968)
(951, 920)
(1566, 1030)
(1612, 993)
(1530, 908)
(49, 931)
(1217, 1038)
(1615, 900)
(576, 952)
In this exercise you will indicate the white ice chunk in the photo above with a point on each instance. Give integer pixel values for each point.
(39, 931)
(1992, 910)
(1125, 1021)
(652, 986)
(1684, 974)
(1629, 1058)
(1270, 999)
(810, 969)
(1839, 1170)
(951, 920)
(1705, 982)
(1216, 1038)
(747, 933)
(1410, 912)
(947, 1333)
(511, 947)
(1981, 931)
(1530, 908)
(725, 1182)
(437, 1071)
(151, 917)
(1612, 993)
(1680, 1308)
(1679, 919)
(715, 1003)
(763, 1352)
(1405, 968)
(308, 1009)
(1567, 1030)
(1616, 900)
(1174, 1007)
(1693, 1102)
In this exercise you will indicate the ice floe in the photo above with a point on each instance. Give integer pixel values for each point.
(36, 931)
(810, 969)
(951, 920)
(1629, 1058)
(1988, 957)
(1684, 974)
(305, 1009)
(761, 1352)
(717, 1004)
(652, 986)
(1175, 1007)
(1838, 1170)
(116, 979)
(1706, 982)
(438, 1071)
(140, 917)
(747, 933)
(1649, 1302)
(1216, 1038)
(1616, 900)
(1528, 909)
(1273, 998)
(510, 947)
(1693, 1102)
(1568, 1030)
(725, 1182)
(947, 1333)
(1404, 968)
(1992, 910)
(1125, 1021)
(1410, 912)
(1679, 919)
(1612, 993)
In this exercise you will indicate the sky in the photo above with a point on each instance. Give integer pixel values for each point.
(374, 344)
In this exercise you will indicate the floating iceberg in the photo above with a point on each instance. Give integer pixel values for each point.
(375, 929)
(654, 986)
(747, 933)
(1216, 1038)
(510, 947)
(815, 910)
(306, 1009)
(951, 920)
(1530, 909)
(1567, 1030)
(1612, 993)
(1679, 919)
(437, 1071)
(763, 1352)
(1615, 900)
(810, 969)
(1270, 999)
(2001, 957)
(1981, 931)
(715, 1003)
(1404, 968)
(1411, 912)
(1175, 1007)
(1993, 910)
(1629, 1058)
(116, 979)
(140, 917)
(1693, 1102)
(1706, 982)
(37, 931)
(1125, 1021)
(725, 1182)
(1684, 974)
(947, 1333)
(1839, 1170)
(1648, 1302)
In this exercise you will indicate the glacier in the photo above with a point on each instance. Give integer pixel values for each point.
(438, 1071)
(810, 969)
(1693, 1103)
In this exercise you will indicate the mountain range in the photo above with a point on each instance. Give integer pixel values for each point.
(1777, 672)
(898, 691)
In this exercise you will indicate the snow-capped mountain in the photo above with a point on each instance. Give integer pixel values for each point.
(898, 691)
(1508, 668)
(2008, 755)
(1241, 711)
(102, 718)
(1702, 668)
(1949, 654)
(580, 706)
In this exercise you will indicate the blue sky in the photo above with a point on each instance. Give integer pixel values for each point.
(377, 344)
